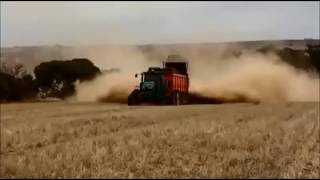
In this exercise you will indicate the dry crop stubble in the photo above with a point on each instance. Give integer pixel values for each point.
(97, 140)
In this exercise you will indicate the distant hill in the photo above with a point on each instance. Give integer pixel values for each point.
(104, 55)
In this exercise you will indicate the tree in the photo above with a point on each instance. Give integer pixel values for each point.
(15, 83)
(314, 54)
(295, 57)
(307, 59)
(6, 86)
(14, 89)
(14, 69)
(57, 77)
(266, 49)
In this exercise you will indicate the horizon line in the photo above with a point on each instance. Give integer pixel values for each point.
(146, 44)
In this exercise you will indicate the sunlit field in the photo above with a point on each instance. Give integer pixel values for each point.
(100, 140)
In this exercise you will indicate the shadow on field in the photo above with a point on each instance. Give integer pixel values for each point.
(193, 98)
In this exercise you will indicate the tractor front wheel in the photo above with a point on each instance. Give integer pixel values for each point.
(134, 98)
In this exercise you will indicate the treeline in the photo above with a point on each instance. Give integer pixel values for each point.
(57, 78)
(52, 79)
(308, 59)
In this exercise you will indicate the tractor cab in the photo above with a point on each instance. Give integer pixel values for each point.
(152, 84)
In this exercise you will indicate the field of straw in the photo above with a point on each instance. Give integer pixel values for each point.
(101, 140)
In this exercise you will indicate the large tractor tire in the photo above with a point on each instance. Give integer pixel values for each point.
(134, 98)
(184, 99)
(176, 99)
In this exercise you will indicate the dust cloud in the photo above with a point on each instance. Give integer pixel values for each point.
(250, 77)
(254, 77)
(112, 86)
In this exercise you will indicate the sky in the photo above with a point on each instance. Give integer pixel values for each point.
(157, 22)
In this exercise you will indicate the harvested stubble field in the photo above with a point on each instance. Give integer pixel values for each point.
(100, 140)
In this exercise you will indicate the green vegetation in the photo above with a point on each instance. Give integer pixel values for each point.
(57, 78)
(52, 79)
(308, 59)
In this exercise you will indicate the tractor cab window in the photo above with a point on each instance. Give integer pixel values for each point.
(150, 77)
(148, 85)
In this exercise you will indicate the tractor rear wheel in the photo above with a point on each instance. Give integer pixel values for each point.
(183, 98)
(176, 99)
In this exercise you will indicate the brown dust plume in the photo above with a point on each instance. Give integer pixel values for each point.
(251, 77)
